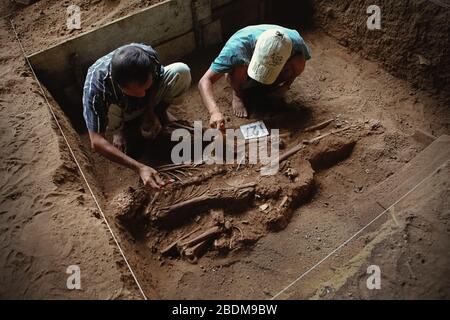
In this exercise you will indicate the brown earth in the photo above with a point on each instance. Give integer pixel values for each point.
(43, 24)
(337, 83)
(413, 42)
(412, 253)
(48, 219)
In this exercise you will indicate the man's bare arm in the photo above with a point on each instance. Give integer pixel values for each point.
(237, 77)
(148, 175)
(205, 87)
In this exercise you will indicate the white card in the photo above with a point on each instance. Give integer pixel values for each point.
(254, 130)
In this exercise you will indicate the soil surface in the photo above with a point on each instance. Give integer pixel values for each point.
(43, 24)
(336, 84)
(412, 255)
(49, 220)
(412, 43)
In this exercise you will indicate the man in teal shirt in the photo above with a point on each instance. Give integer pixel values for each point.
(268, 56)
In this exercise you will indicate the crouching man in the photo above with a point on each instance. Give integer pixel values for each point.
(128, 92)
(267, 58)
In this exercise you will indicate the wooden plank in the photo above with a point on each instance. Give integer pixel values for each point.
(176, 48)
(212, 33)
(154, 25)
(424, 137)
(202, 9)
(167, 26)
(237, 14)
(389, 191)
(219, 3)
(378, 199)
(419, 168)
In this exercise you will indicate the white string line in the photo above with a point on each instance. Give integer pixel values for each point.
(357, 233)
(76, 162)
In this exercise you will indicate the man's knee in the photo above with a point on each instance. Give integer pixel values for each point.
(180, 82)
(183, 72)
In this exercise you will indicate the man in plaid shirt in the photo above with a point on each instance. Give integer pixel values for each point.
(126, 92)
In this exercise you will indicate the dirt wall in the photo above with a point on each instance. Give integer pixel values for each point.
(413, 42)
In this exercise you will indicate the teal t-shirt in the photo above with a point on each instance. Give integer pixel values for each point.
(239, 49)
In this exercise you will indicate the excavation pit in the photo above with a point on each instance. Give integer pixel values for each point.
(212, 210)
(274, 222)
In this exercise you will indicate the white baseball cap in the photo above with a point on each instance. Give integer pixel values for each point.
(272, 51)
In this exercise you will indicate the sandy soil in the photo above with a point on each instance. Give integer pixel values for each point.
(48, 220)
(43, 24)
(8, 7)
(413, 254)
(412, 44)
(336, 82)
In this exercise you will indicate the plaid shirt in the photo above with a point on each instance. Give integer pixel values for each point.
(100, 91)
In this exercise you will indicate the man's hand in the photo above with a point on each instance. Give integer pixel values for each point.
(205, 86)
(150, 177)
(217, 121)
(120, 142)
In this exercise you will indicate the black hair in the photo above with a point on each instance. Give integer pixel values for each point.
(132, 64)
